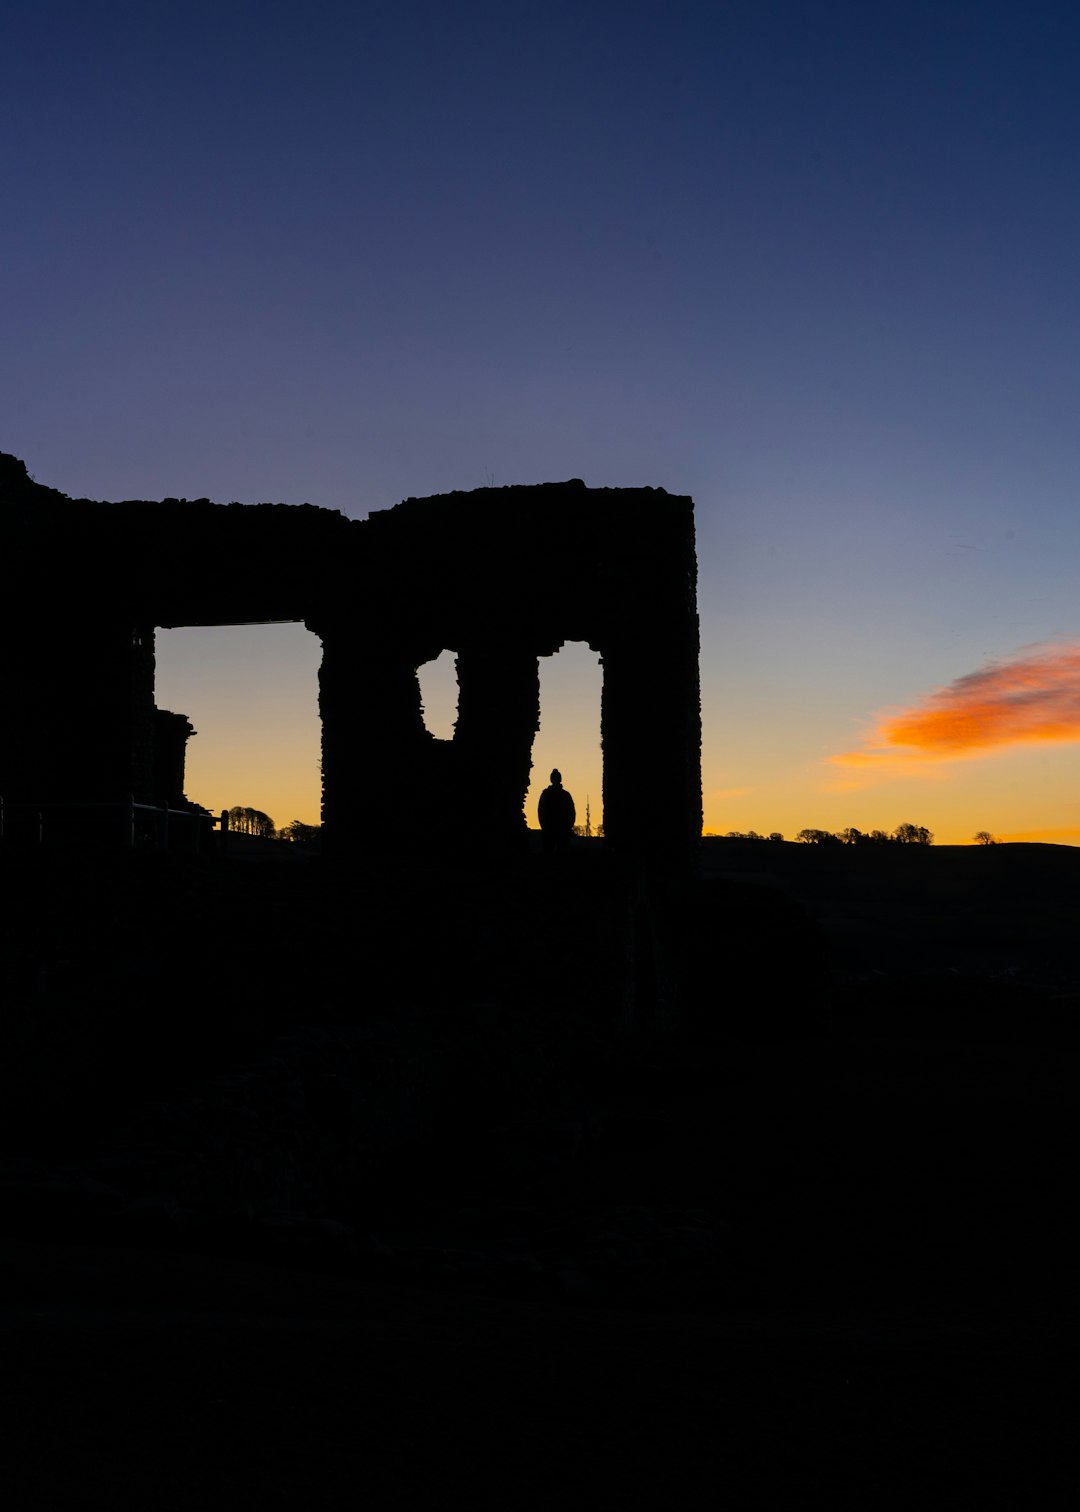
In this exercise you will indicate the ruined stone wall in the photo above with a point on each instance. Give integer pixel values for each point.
(171, 735)
(79, 662)
(504, 576)
(499, 577)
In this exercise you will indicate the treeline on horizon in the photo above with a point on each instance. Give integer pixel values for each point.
(252, 821)
(903, 834)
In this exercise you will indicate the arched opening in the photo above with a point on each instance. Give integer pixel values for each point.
(439, 695)
(571, 683)
(251, 692)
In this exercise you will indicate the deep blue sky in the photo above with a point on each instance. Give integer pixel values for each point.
(814, 264)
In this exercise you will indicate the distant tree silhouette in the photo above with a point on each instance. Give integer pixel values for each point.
(984, 837)
(251, 821)
(904, 834)
(299, 833)
(912, 834)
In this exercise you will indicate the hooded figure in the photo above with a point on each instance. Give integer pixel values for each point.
(556, 814)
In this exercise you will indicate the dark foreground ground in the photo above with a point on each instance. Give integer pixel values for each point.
(146, 1379)
(422, 1187)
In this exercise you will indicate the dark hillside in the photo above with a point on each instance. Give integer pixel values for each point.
(1009, 913)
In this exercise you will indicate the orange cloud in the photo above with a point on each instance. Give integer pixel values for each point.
(1035, 696)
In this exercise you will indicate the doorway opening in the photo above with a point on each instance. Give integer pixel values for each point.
(571, 683)
(252, 693)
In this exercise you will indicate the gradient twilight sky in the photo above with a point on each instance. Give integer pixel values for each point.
(814, 264)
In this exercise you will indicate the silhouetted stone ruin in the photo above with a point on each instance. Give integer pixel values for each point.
(499, 576)
(171, 735)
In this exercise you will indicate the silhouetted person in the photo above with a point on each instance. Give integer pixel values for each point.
(557, 814)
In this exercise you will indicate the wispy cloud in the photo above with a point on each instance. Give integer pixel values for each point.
(1034, 696)
(732, 792)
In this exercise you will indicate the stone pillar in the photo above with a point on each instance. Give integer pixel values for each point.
(376, 752)
(498, 716)
(651, 734)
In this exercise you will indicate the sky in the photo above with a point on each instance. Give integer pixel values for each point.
(813, 264)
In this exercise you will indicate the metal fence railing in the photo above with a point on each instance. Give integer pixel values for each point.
(120, 823)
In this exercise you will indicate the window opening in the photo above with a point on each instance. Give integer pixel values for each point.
(439, 695)
(252, 693)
